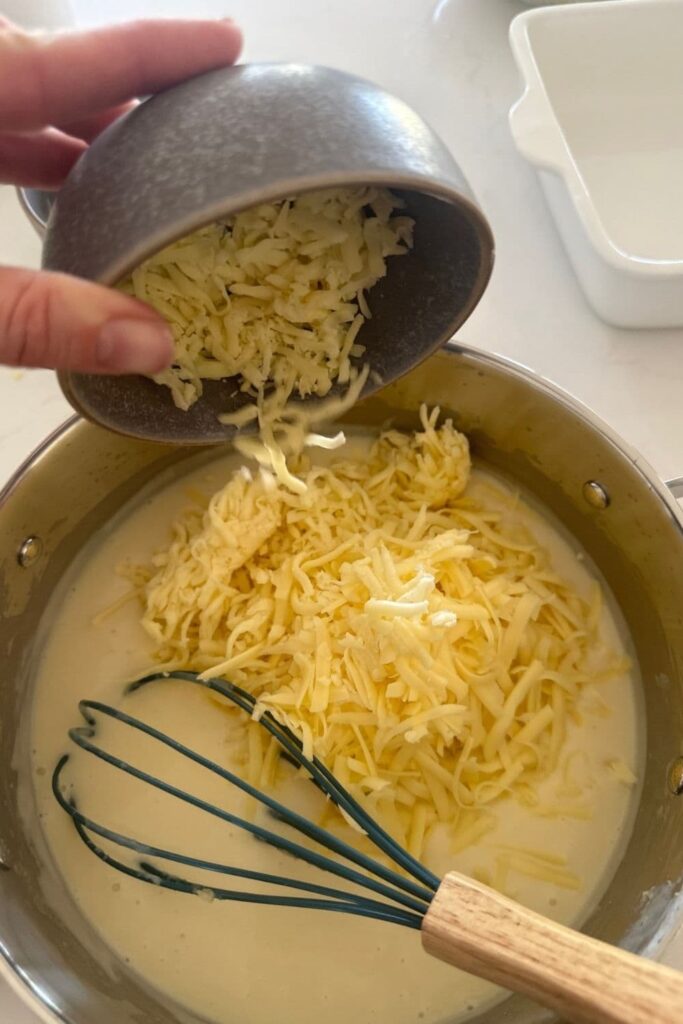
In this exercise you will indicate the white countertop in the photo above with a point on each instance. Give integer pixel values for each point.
(451, 61)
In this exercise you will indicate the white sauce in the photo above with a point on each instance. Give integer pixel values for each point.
(233, 962)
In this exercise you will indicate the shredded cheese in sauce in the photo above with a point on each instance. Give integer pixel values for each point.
(416, 642)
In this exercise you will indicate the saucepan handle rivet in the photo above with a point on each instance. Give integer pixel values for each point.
(676, 777)
(596, 494)
(29, 552)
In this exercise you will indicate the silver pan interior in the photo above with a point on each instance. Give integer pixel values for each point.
(518, 424)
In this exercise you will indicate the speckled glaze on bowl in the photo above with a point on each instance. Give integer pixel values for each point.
(238, 136)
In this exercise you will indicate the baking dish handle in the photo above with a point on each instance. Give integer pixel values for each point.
(532, 120)
(535, 130)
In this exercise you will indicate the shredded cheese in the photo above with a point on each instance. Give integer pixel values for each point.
(275, 296)
(542, 866)
(417, 642)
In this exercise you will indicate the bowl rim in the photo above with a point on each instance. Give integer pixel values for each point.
(285, 187)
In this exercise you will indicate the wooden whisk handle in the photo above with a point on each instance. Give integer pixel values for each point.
(585, 981)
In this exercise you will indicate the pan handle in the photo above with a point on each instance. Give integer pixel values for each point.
(36, 205)
(676, 487)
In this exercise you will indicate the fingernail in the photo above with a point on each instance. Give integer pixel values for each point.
(133, 346)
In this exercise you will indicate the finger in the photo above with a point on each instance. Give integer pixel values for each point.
(39, 159)
(56, 80)
(43, 159)
(88, 128)
(59, 321)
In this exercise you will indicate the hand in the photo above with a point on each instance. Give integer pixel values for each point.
(56, 94)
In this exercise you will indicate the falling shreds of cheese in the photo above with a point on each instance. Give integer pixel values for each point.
(415, 639)
(275, 296)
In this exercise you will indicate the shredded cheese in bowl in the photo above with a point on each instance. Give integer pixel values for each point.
(420, 646)
(275, 296)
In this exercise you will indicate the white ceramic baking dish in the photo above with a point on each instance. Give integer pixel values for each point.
(601, 120)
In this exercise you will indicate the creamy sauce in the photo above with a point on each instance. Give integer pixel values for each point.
(233, 962)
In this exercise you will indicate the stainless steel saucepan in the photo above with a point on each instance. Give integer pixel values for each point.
(606, 496)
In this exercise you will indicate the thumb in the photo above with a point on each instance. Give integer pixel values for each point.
(62, 322)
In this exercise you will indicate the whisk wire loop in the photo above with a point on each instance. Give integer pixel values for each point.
(149, 873)
(413, 893)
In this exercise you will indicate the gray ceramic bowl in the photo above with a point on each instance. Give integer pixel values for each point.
(254, 133)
